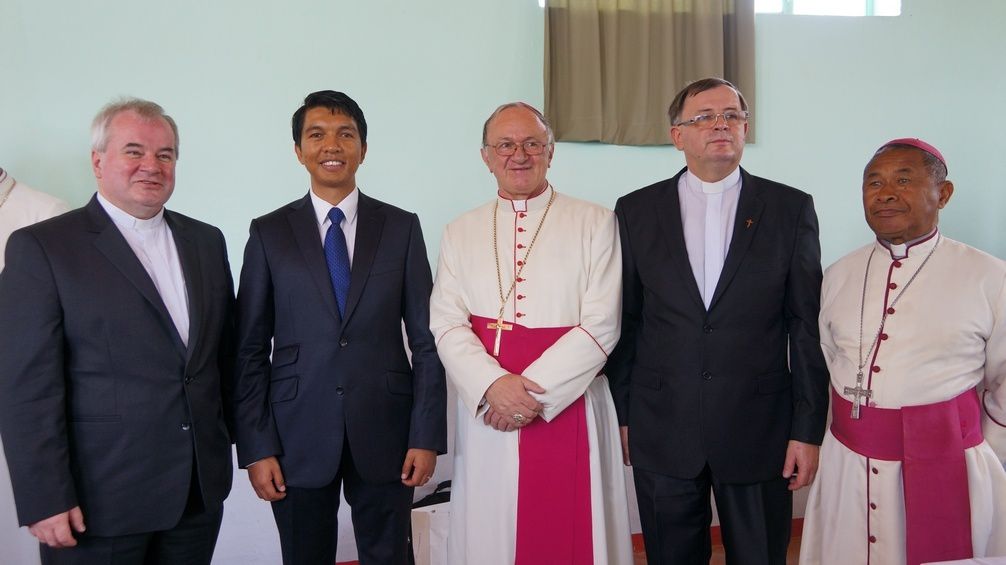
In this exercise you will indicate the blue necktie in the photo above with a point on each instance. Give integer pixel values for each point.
(337, 257)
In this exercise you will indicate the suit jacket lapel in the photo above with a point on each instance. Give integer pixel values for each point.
(369, 223)
(114, 247)
(304, 225)
(669, 218)
(188, 256)
(746, 223)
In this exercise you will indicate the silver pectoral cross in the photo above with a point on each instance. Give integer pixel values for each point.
(858, 395)
(500, 327)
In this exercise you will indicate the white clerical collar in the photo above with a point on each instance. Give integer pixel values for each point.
(698, 185)
(537, 202)
(125, 220)
(349, 205)
(901, 250)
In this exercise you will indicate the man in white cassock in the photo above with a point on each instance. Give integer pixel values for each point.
(913, 328)
(20, 206)
(525, 310)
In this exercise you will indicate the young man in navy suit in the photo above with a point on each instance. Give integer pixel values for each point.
(326, 396)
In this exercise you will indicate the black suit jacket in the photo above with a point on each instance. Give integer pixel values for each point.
(329, 378)
(102, 404)
(732, 385)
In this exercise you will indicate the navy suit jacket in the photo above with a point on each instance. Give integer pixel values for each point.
(732, 385)
(329, 378)
(101, 404)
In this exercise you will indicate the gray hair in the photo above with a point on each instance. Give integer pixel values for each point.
(526, 106)
(145, 108)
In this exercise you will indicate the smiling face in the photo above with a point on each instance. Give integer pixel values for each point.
(901, 198)
(331, 150)
(520, 175)
(711, 153)
(136, 170)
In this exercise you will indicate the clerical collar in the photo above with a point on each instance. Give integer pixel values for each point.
(124, 219)
(536, 202)
(901, 250)
(698, 185)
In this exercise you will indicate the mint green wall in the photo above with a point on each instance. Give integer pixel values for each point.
(427, 73)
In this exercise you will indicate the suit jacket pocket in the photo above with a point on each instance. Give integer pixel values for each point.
(386, 266)
(645, 377)
(773, 383)
(285, 355)
(399, 383)
(110, 419)
(283, 389)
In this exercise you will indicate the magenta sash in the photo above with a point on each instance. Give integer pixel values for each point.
(930, 441)
(553, 485)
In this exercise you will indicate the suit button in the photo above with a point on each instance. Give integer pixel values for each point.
(706, 375)
(187, 380)
(707, 329)
(186, 427)
(339, 390)
(343, 342)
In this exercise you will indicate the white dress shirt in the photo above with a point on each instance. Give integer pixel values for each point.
(154, 246)
(708, 210)
(349, 206)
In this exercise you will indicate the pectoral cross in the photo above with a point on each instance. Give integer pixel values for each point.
(858, 394)
(749, 222)
(500, 327)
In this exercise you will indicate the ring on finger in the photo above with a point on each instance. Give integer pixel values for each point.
(519, 418)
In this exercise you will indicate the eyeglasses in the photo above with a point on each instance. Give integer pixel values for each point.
(705, 121)
(507, 148)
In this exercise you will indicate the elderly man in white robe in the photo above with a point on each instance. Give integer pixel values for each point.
(525, 310)
(20, 206)
(913, 327)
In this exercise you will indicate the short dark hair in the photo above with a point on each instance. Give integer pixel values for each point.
(337, 103)
(936, 169)
(693, 88)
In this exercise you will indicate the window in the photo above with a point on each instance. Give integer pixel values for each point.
(829, 7)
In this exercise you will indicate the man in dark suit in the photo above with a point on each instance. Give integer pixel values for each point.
(326, 284)
(718, 380)
(115, 348)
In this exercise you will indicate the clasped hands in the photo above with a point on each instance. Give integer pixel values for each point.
(511, 405)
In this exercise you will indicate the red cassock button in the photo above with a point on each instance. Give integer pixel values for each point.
(520, 314)
(875, 471)
(520, 279)
(523, 215)
(897, 264)
(520, 246)
(520, 230)
(520, 297)
(873, 506)
(875, 369)
(883, 336)
(892, 286)
(873, 539)
(519, 263)
(890, 311)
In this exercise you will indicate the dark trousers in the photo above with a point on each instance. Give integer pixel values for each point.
(755, 519)
(191, 542)
(308, 524)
